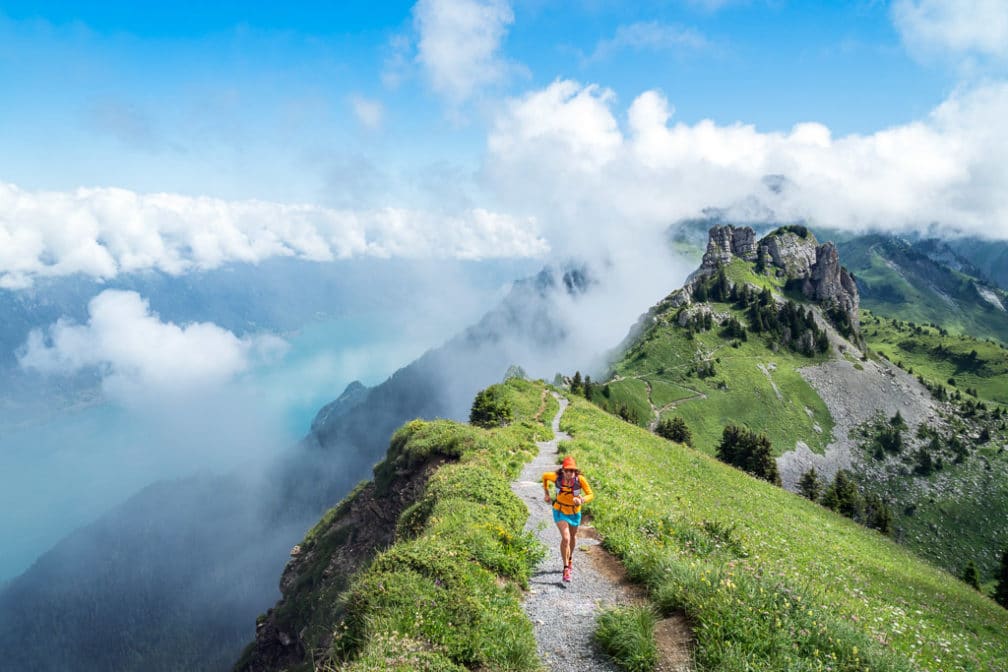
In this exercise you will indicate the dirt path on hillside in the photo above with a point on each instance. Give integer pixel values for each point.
(564, 614)
(657, 412)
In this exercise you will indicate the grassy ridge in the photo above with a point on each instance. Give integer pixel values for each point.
(770, 580)
(973, 363)
(446, 594)
(898, 279)
(751, 385)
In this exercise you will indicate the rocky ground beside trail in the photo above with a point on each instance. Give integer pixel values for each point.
(853, 395)
(564, 614)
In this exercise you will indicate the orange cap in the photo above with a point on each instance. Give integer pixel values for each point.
(568, 463)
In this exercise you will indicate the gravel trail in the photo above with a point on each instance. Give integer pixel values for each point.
(564, 614)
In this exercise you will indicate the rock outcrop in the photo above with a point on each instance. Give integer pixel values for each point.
(830, 283)
(725, 242)
(793, 252)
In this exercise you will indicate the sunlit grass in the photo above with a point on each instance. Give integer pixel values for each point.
(770, 580)
(447, 594)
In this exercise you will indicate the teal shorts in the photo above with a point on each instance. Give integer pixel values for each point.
(569, 518)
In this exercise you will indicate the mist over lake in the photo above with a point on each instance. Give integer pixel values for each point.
(64, 464)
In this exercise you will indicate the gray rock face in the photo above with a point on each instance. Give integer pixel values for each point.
(727, 241)
(791, 252)
(829, 282)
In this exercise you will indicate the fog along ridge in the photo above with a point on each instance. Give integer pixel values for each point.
(177, 575)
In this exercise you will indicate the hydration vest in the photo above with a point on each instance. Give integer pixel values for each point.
(574, 490)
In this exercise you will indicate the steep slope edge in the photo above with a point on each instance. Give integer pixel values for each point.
(421, 566)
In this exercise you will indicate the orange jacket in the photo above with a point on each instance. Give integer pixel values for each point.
(564, 500)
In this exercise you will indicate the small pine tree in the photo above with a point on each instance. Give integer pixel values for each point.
(1001, 591)
(924, 464)
(575, 386)
(970, 576)
(843, 497)
(809, 485)
(877, 514)
(490, 410)
(587, 388)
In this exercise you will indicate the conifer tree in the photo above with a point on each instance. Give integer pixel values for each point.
(576, 383)
(748, 451)
(490, 409)
(1001, 591)
(970, 575)
(843, 497)
(810, 486)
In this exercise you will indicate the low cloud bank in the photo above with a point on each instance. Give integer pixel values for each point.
(103, 232)
(566, 156)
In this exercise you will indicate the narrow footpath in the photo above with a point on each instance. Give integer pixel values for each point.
(563, 614)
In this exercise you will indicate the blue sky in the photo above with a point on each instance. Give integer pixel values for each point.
(434, 109)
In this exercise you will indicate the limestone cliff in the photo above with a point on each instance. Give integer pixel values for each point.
(791, 252)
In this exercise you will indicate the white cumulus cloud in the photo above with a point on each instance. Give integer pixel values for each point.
(459, 44)
(103, 232)
(959, 26)
(561, 155)
(135, 350)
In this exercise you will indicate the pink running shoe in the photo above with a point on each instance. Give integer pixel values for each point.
(567, 573)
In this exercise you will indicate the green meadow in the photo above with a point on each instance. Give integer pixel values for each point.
(769, 580)
(750, 384)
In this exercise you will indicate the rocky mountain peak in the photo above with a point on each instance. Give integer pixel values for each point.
(829, 282)
(791, 251)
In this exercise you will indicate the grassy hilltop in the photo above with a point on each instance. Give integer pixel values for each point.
(709, 376)
(768, 580)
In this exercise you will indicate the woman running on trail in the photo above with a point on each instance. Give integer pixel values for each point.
(572, 490)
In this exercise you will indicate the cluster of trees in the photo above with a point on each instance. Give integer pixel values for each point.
(790, 325)
(886, 438)
(585, 386)
(698, 322)
(748, 451)
(675, 429)
(841, 319)
(627, 413)
(843, 496)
